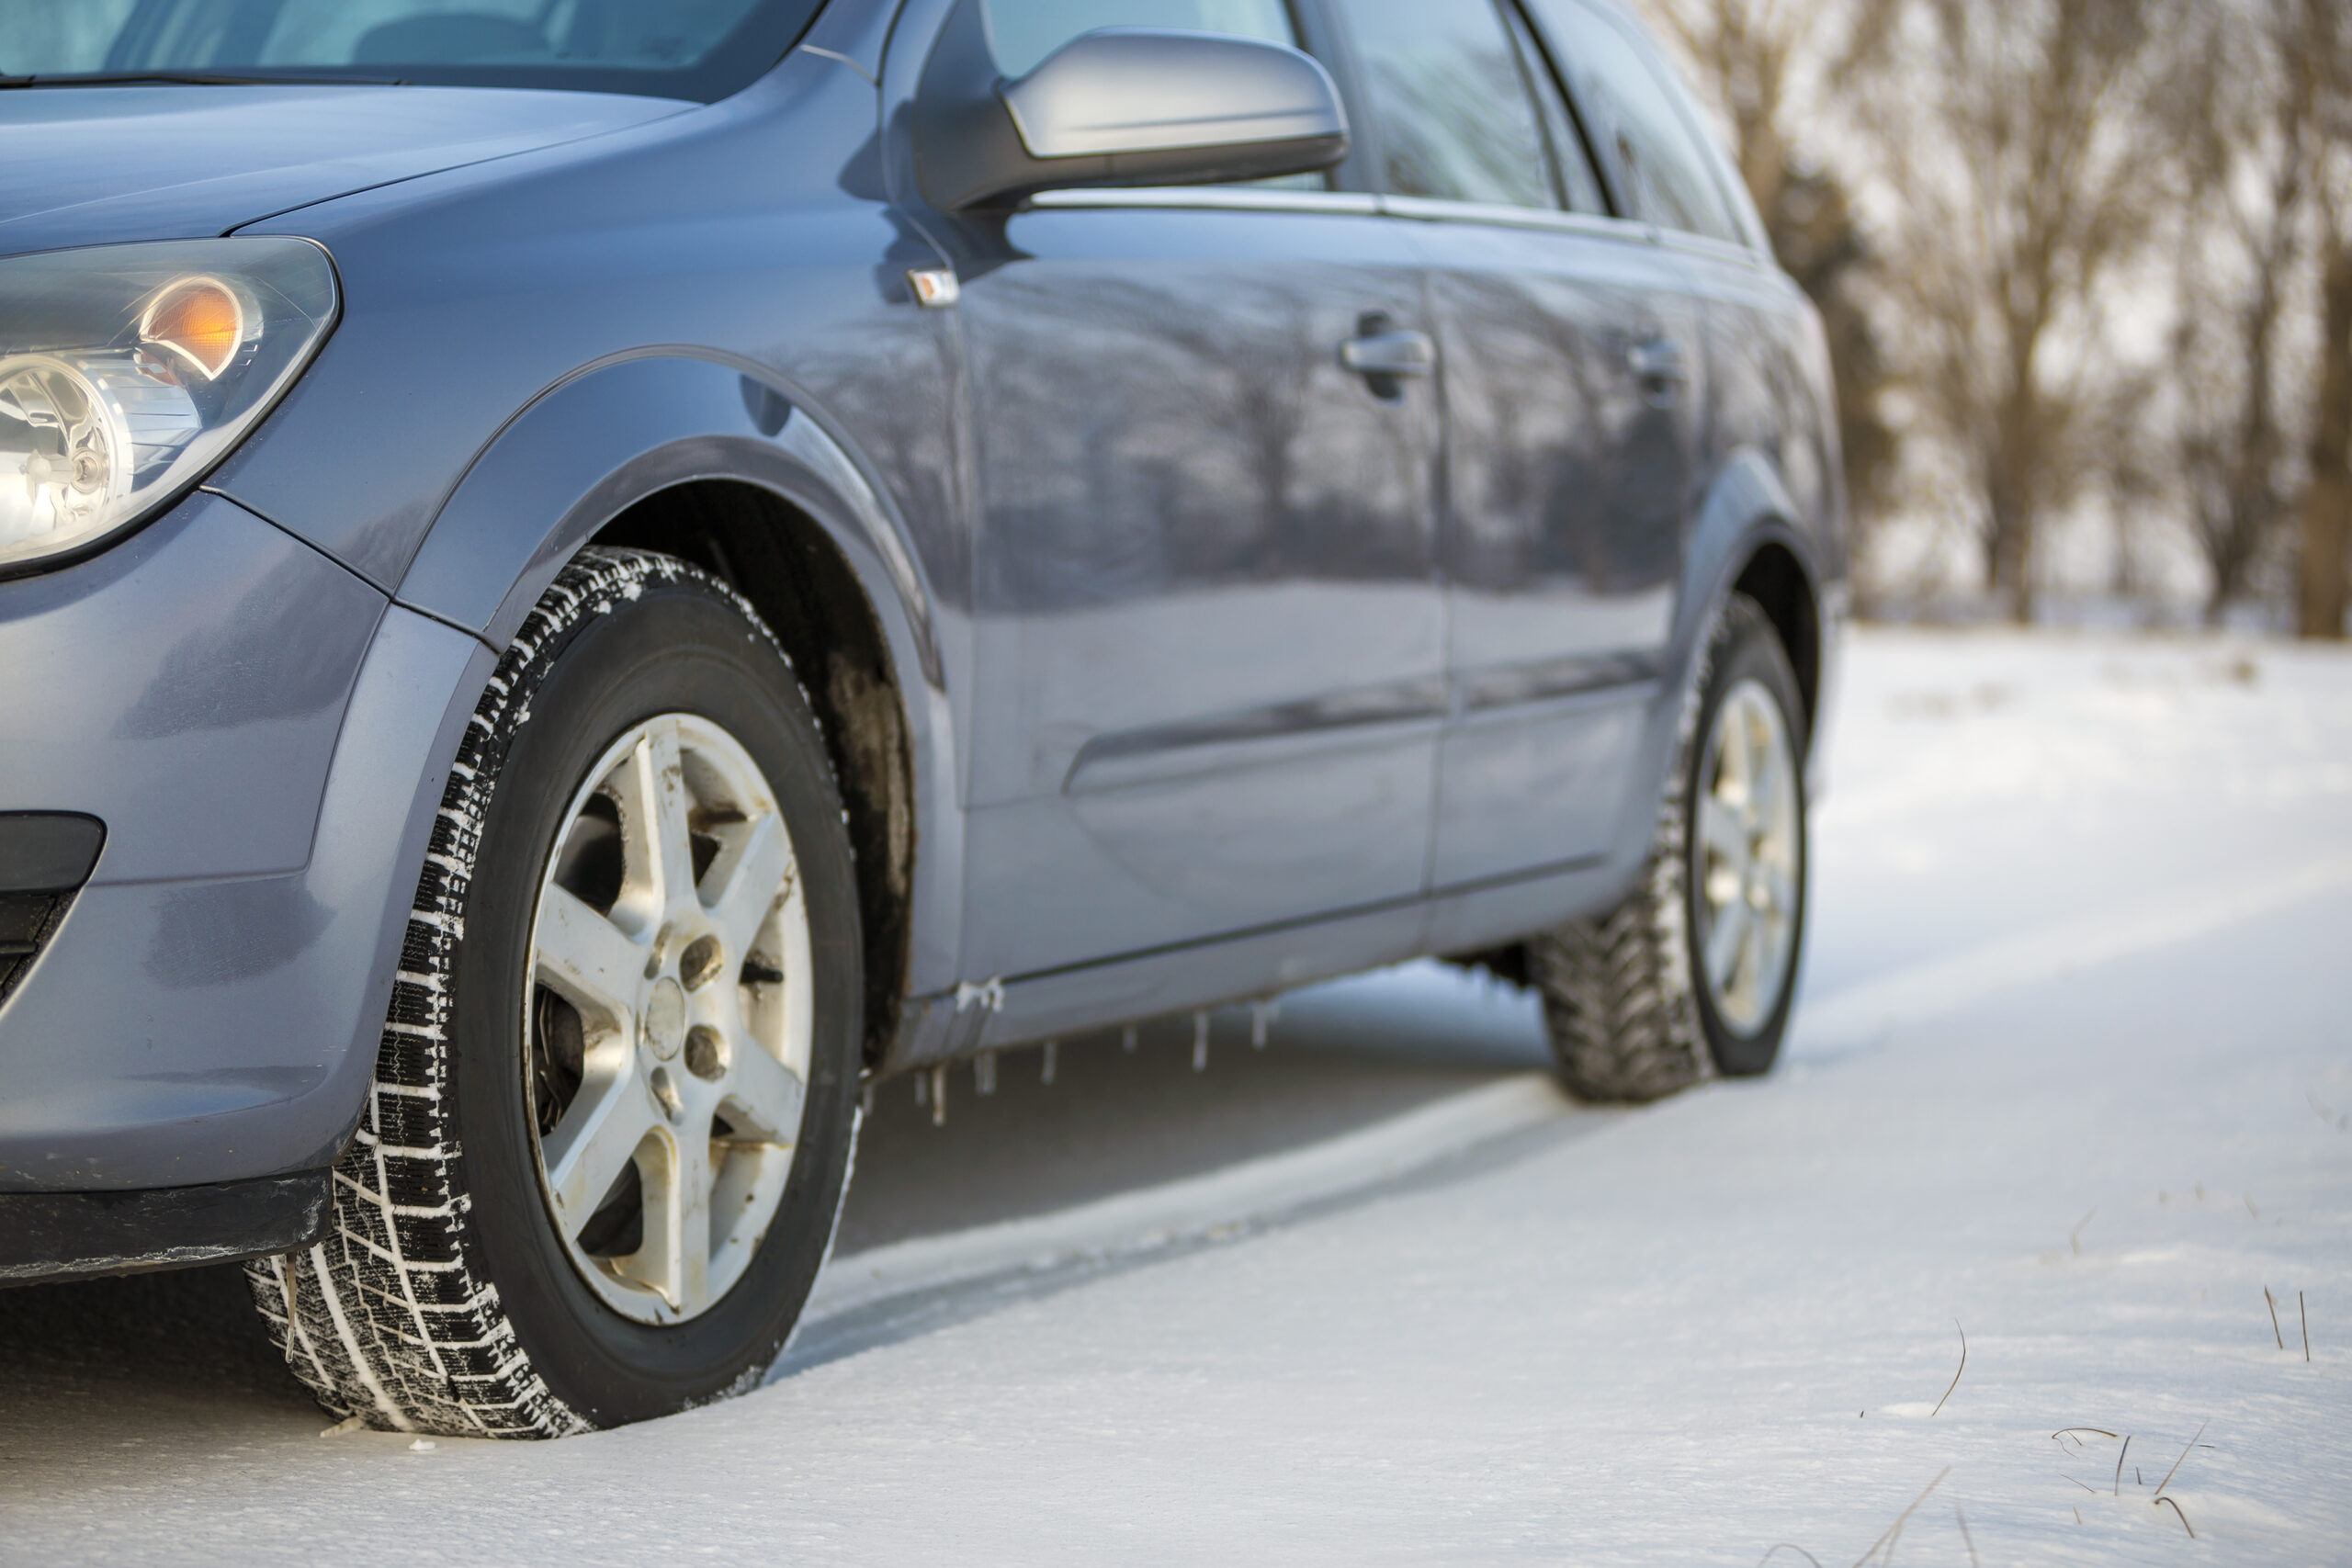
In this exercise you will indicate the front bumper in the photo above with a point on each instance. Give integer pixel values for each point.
(264, 736)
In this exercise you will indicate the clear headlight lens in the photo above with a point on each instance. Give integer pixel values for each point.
(126, 371)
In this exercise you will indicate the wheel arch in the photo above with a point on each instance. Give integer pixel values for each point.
(1749, 540)
(781, 559)
(716, 461)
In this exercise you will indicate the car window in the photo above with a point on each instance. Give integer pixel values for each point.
(1572, 170)
(1455, 121)
(1022, 32)
(1637, 128)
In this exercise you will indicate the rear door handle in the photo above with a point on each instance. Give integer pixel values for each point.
(1658, 359)
(1660, 362)
(1390, 354)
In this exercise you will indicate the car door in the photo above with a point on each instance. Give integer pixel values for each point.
(1208, 631)
(1569, 344)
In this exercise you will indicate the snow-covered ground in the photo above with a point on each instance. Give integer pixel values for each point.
(2074, 1077)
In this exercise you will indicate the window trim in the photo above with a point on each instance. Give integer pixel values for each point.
(1711, 155)
(1206, 198)
(1332, 42)
(1379, 204)
(1549, 65)
(1553, 221)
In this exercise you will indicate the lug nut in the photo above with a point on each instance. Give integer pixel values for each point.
(699, 965)
(705, 1053)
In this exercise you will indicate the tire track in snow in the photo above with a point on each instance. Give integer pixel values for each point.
(1131, 1224)
(1855, 1017)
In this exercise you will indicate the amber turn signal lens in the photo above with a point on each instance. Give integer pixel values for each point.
(202, 320)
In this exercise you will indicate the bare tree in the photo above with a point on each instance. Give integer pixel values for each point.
(2326, 504)
(2327, 493)
(2244, 118)
(2013, 137)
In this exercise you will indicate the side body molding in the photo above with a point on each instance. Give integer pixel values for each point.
(619, 432)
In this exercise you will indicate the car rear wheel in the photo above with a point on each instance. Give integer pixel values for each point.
(1695, 972)
(614, 1103)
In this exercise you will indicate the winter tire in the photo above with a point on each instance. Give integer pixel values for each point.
(615, 1103)
(1695, 970)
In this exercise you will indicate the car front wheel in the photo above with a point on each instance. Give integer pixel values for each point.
(614, 1101)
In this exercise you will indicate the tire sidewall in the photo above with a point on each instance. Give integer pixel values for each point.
(681, 646)
(1746, 647)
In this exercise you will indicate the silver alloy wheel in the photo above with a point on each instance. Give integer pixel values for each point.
(668, 1012)
(1746, 858)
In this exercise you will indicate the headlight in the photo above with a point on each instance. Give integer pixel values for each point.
(126, 371)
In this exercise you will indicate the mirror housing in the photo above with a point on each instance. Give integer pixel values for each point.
(1117, 106)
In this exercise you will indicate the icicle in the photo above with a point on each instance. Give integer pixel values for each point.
(1261, 1015)
(1127, 1040)
(1200, 1041)
(1053, 1054)
(984, 1073)
(939, 1095)
(866, 1097)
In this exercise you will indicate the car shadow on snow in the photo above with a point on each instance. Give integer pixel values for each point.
(86, 1361)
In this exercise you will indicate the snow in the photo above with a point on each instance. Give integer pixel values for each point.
(2071, 1077)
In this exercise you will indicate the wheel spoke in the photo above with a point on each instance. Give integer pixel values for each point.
(1753, 952)
(1725, 941)
(1770, 783)
(750, 869)
(1738, 761)
(652, 789)
(763, 1095)
(591, 962)
(1721, 829)
(598, 1135)
(675, 1259)
(1781, 888)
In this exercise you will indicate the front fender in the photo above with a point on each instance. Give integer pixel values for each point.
(590, 447)
(619, 432)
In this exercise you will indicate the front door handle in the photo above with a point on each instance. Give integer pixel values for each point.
(1384, 355)
(1659, 363)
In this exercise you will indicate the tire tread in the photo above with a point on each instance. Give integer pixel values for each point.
(385, 1319)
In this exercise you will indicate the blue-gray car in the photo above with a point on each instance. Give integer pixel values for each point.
(582, 579)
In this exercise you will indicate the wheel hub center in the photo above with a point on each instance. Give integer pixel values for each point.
(666, 1019)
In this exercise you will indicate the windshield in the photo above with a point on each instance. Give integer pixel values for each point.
(681, 49)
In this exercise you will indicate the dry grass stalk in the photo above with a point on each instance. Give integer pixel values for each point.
(1886, 1543)
(2075, 1236)
(2176, 1464)
(2176, 1509)
(2274, 1318)
(2063, 1431)
(2117, 1490)
(1964, 1367)
(2304, 1314)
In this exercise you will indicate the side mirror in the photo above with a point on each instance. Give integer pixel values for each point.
(1117, 106)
